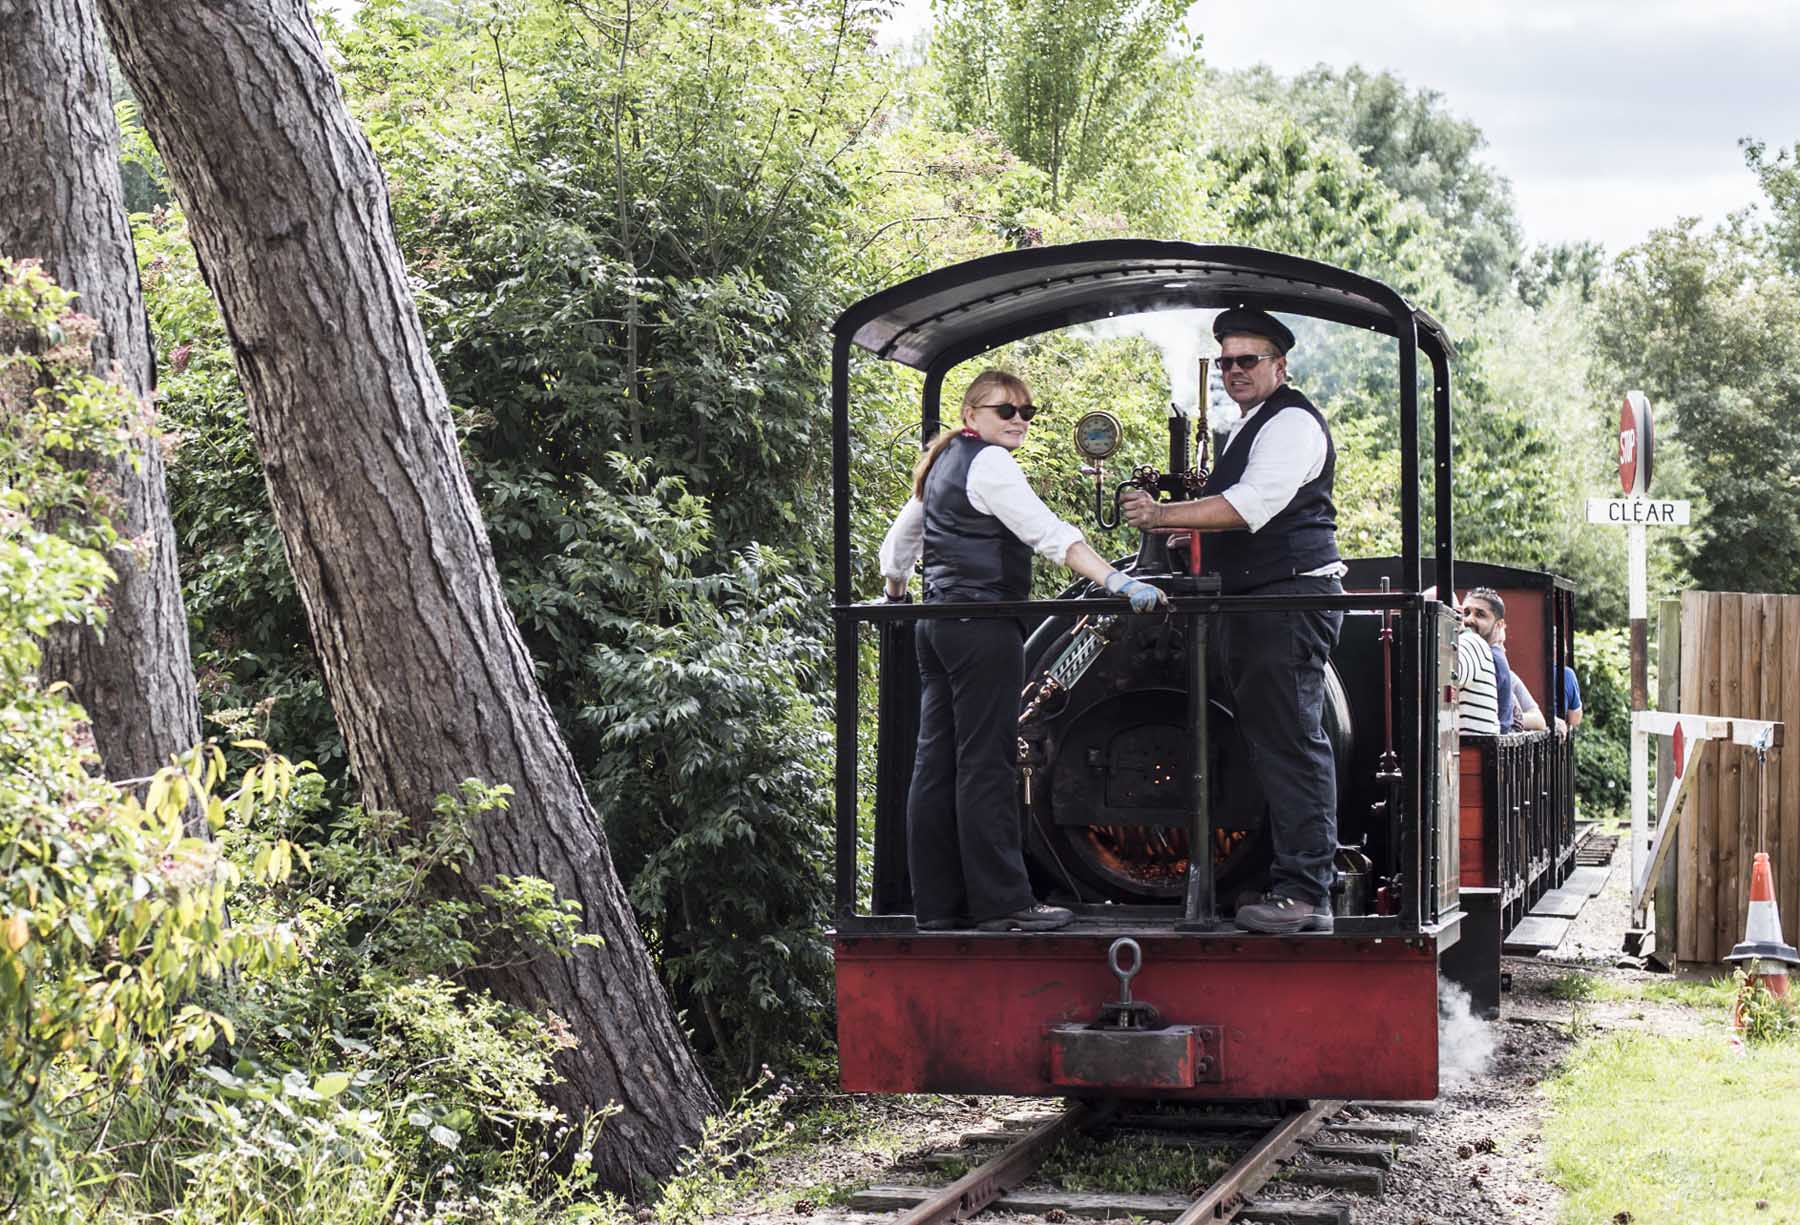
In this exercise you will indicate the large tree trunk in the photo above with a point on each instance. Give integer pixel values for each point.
(427, 671)
(61, 202)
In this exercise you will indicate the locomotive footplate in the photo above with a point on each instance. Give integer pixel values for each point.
(1129, 1047)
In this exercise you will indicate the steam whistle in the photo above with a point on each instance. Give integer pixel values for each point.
(1178, 439)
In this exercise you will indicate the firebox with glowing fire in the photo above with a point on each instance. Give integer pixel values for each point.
(1109, 757)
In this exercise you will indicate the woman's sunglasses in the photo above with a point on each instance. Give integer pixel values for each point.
(1006, 411)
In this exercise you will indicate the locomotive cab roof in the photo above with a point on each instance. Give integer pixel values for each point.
(936, 320)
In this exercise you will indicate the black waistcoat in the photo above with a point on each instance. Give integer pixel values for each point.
(1302, 537)
(968, 555)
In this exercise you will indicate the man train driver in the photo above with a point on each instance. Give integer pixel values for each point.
(1273, 529)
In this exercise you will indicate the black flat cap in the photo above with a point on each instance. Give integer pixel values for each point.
(1241, 320)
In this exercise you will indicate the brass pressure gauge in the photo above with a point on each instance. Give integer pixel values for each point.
(1098, 435)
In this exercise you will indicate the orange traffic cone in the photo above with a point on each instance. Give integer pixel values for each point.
(1769, 958)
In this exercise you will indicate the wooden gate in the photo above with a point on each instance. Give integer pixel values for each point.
(1739, 655)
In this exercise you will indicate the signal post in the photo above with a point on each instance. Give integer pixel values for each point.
(1634, 512)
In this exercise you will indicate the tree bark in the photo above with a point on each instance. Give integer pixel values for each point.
(61, 201)
(427, 672)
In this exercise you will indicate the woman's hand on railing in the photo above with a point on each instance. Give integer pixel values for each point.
(1141, 595)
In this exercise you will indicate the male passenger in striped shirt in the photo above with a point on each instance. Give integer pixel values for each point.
(1273, 531)
(1477, 695)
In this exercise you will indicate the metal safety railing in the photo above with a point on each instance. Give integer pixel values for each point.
(1413, 814)
(1526, 815)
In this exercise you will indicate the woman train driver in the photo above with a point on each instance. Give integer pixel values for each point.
(976, 522)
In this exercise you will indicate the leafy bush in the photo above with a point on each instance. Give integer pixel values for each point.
(357, 1080)
(1603, 742)
(111, 917)
(108, 914)
(373, 1066)
(713, 758)
(1762, 1015)
(314, 1057)
(343, 1073)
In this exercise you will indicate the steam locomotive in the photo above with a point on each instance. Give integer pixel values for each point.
(1140, 811)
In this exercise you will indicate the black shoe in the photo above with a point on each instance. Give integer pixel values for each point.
(1036, 917)
(1276, 915)
(957, 924)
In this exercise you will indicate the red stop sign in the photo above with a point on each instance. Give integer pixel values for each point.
(1635, 439)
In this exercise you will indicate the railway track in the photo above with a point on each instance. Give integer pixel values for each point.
(1328, 1147)
(1595, 849)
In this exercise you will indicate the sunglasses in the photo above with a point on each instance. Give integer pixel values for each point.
(1006, 411)
(1246, 361)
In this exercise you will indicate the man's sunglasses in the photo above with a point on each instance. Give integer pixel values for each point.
(1246, 361)
(1006, 411)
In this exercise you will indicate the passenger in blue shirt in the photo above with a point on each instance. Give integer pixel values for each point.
(1571, 698)
(1503, 685)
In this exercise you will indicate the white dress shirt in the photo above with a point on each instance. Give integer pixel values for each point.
(1286, 453)
(996, 486)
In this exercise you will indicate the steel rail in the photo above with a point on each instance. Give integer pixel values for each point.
(991, 1179)
(1224, 1199)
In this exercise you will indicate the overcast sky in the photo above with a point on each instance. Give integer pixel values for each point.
(1610, 117)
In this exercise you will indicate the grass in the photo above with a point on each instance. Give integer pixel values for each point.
(1578, 987)
(1129, 1164)
(1679, 1130)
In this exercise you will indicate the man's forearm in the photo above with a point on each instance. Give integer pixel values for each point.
(1212, 514)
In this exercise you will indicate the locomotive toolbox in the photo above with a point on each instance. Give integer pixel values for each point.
(1129, 759)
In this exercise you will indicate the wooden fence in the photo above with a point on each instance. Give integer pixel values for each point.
(1739, 655)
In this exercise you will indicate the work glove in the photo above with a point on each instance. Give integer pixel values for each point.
(1142, 596)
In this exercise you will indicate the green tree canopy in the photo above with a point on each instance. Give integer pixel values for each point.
(1419, 148)
(1779, 174)
(1068, 84)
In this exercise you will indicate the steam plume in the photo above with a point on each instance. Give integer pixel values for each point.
(1181, 337)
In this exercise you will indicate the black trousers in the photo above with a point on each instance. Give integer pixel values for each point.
(1274, 667)
(964, 835)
